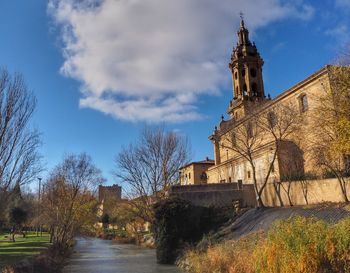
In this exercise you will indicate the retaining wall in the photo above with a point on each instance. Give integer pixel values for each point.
(305, 192)
(217, 195)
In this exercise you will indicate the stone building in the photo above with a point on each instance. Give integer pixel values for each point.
(195, 172)
(106, 193)
(250, 101)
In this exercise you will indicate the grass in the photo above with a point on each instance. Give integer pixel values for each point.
(13, 252)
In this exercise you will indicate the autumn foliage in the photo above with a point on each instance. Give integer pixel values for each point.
(304, 245)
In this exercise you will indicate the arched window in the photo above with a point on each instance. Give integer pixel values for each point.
(244, 89)
(236, 76)
(254, 89)
(233, 140)
(272, 119)
(304, 105)
(253, 72)
(249, 128)
(243, 72)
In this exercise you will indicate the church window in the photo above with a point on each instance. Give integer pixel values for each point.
(254, 89)
(236, 75)
(244, 89)
(272, 119)
(253, 72)
(204, 176)
(249, 129)
(304, 105)
(233, 140)
(347, 164)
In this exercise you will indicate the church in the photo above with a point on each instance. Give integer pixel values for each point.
(292, 159)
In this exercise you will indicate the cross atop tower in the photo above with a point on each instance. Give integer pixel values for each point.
(241, 14)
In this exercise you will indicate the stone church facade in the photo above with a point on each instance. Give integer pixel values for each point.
(250, 99)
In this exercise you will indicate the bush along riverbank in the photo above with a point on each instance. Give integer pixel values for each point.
(294, 245)
(50, 260)
(144, 239)
(180, 224)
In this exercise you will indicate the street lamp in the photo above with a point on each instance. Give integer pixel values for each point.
(39, 198)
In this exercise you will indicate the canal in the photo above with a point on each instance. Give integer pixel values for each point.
(93, 255)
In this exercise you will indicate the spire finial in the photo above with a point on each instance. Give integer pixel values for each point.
(241, 14)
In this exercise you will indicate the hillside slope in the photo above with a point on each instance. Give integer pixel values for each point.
(258, 219)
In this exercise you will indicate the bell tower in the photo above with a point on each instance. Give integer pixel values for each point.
(247, 80)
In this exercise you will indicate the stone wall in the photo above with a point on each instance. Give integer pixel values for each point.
(291, 193)
(217, 195)
(305, 192)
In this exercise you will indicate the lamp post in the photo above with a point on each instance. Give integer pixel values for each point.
(39, 198)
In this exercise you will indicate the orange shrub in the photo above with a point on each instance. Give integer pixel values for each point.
(228, 257)
(295, 245)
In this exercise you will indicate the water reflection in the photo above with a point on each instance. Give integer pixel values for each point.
(103, 256)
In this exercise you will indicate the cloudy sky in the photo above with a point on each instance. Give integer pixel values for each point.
(102, 69)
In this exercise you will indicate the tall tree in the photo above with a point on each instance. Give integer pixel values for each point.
(262, 129)
(331, 146)
(69, 205)
(149, 167)
(19, 157)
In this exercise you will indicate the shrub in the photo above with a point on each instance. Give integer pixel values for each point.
(338, 246)
(178, 222)
(295, 245)
(227, 257)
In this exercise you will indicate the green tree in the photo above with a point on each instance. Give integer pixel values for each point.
(105, 220)
(18, 217)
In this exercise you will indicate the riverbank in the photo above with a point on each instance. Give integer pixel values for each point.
(24, 248)
(314, 239)
(144, 239)
(50, 260)
(32, 254)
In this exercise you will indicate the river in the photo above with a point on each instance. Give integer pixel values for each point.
(93, 255)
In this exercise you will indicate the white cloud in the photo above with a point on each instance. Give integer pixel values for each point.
(343, 3)
(340, 34)
(151, 60)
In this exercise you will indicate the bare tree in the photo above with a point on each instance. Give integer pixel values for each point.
(19, 157)
(258, 131)
(69, 205)
(149, 167)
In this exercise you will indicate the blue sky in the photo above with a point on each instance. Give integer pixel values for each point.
(101, 70)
